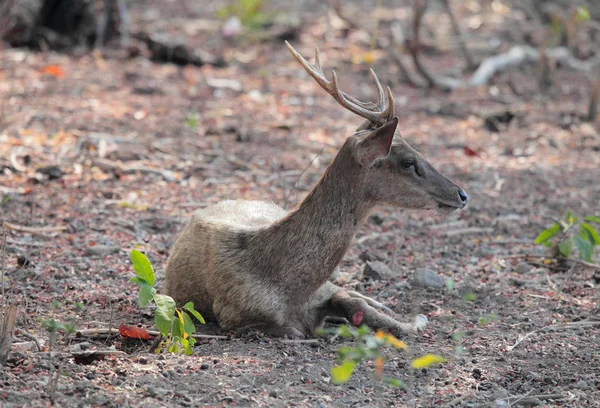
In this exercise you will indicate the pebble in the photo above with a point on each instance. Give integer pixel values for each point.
(204, 367)
(377, 270)
(427, 278)
(523, 267)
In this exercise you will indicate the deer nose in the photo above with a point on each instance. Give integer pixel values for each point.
(463, 196)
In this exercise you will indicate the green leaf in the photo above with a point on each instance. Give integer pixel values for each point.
(585, 247)
(188, 324)
(593, 218)
(394, 382)
(592, 233)
(427, 360)
(450, 284)
(342, 373)
(164, 315)
(177, 330)
(582, 14)
(566, 247)
(186, 346)
(189, 306)
(146, 294)
(470, 297)
(548, 233)
(142, 267)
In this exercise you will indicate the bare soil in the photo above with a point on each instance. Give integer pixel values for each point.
(108, 148)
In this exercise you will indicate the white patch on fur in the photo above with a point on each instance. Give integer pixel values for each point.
(242, 214)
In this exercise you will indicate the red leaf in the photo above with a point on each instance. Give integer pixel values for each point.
(470, 152)
(53, 70)
(134, 332)
(357, 317)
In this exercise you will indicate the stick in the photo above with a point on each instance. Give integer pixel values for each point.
(560, 326)
(33, 230)
(577, 261)
(102, 332)
(30, 337)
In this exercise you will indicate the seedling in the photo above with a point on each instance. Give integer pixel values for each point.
(174, 324)
(563, 236)
(370, 346)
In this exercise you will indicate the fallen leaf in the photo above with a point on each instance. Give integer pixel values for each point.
(53, 70)
(470, 152)
(134, 332)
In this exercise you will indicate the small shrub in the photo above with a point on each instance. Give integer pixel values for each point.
(174, 324)
(564, 236)
(370, 346)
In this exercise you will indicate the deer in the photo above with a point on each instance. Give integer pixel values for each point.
(251, 264)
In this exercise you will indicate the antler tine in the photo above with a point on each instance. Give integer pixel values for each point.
(384, 110)
(382, 101)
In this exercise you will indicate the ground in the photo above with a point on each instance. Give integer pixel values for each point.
(116, 152)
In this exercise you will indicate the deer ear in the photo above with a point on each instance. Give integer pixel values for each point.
(377, 144)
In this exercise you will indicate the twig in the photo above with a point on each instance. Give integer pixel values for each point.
(31, 337)
(470, 230)
(53, 382)
(33, 230)
(102, 332)
(577, 261)
(471, 65)
(560, 326)
(300, 341)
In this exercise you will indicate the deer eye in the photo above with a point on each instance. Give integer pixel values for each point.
(407, 163)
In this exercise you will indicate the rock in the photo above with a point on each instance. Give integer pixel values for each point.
(427, 278)
(377, 270)
(523, 267)
(582, 385)
(101, 250)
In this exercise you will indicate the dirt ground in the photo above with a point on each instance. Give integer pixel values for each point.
(115, 152)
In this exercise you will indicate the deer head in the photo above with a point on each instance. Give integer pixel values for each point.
(390, 170)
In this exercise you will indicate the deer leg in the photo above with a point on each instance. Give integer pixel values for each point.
(370, 301)
(275, 330)
(351, 307)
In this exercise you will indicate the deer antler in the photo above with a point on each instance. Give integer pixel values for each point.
(378, 115)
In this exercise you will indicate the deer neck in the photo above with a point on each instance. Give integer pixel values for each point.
(314, 236)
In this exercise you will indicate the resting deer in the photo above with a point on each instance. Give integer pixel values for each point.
(252, 264)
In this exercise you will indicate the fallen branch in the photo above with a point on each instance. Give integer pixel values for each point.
(513, 58)
(31, 337)
(468, 231)
(102, 332)
(33, 230)
(560, 326)
(577, 261)
(444, 83)
(471, 65)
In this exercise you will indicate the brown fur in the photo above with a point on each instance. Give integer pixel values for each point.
(249, 264)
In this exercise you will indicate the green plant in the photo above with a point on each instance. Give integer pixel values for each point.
(563, 236)
(174, 324)
(193, 120)
(369, 346)
(249, 12)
